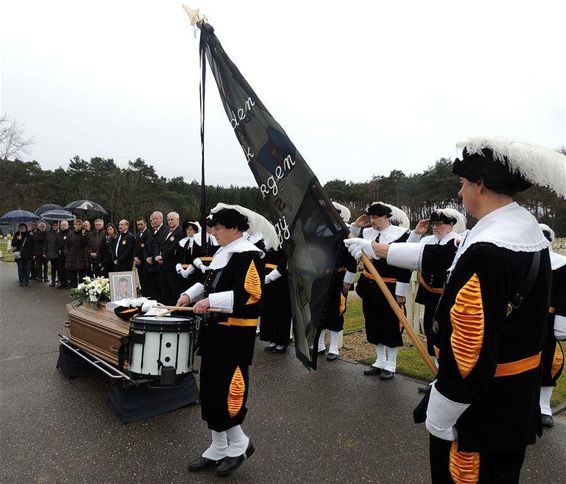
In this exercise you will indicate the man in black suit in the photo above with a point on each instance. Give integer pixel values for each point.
(156, 233)
(124, 249)
(166, 257)
(139, 259)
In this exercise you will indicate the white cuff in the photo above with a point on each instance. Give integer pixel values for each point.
(195, 292)
(402, 289)
(355, 230)
(349, 277)
(442, 414)
(274, 275)
(559, 327)
(179, 268)
(222, 300)
(406, 255)
(414, 237)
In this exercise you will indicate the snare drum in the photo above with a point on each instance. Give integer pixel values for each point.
(161, 347)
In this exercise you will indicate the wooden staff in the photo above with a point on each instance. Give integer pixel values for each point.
(399, 313)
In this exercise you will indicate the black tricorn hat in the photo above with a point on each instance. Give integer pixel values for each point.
(379, 209)
(440, 216)
(229, 218)
(496, 174)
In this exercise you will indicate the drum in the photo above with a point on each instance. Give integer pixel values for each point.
(161, 347)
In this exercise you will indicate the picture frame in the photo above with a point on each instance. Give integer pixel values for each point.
(122, 285)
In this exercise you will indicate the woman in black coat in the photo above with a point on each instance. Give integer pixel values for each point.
(22, 245)
(104, 259)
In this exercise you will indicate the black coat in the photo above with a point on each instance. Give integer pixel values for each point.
(61, 241)
(123, 252)
(140, 245)
(151, 248)
(24, 244)
(168, 247)
(75, 251)
(105, 260)
(38, 243)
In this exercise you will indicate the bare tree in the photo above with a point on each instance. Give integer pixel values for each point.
(12, 140)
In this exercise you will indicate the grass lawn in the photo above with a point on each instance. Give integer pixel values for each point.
(8, 255)
(410, 363)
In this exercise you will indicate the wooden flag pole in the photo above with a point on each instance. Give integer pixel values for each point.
(399, 313)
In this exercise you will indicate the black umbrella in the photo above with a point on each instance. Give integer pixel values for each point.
(18, 216)
(48, 206)
(55, 215)
(85, 206)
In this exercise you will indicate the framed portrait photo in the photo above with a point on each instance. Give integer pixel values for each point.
(122, 286)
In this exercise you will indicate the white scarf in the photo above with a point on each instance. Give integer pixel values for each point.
(510, 227)
(237, 246)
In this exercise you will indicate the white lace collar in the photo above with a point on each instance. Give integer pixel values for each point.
(386, 236)
(510, 227)
(433, 239)
(238, 246)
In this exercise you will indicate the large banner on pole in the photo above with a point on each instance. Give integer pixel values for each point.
(309, 227)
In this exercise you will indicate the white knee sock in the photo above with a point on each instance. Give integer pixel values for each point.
(545, 394)
(237, 441)
(217, 449)
(391, 364)
(380, 361)
(321, 343)
(334, 336)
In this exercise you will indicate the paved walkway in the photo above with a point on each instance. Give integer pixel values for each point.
(333, 425)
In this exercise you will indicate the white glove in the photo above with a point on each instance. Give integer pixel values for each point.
(358, 246)
(199, 265)
(187, 272)
(149, 304)
(559, 327)
(179, 268)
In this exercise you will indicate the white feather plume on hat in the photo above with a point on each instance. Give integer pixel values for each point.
(460, 224)
(538, 165)
(344, 212)
(398, 217)
(258, 224)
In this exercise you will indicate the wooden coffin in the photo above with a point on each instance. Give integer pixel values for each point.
(96, 330)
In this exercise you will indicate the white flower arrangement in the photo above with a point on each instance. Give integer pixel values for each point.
(91, 290)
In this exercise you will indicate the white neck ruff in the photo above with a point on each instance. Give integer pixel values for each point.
(237, 246)
(510, 227)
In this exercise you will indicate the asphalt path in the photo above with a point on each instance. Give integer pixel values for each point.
(332, 425)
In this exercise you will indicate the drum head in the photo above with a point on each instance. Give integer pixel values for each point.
(162, 323)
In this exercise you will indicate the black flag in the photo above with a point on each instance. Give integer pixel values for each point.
(309, 227)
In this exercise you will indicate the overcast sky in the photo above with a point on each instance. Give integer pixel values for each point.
(361, 87)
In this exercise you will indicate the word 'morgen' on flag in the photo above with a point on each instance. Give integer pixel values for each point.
(309, 227)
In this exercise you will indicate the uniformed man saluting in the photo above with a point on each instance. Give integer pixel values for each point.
(484, 407)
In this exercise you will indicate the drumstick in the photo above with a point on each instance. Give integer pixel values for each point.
(190, 308)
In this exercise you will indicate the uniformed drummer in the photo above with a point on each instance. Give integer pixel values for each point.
(234, 283)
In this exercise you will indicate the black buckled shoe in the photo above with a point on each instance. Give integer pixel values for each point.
(281, 350)
(373, 370)
(331, 356)
(547, 421)
(230, 464)
(424, 389)
(202, 463)
(386, 375)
